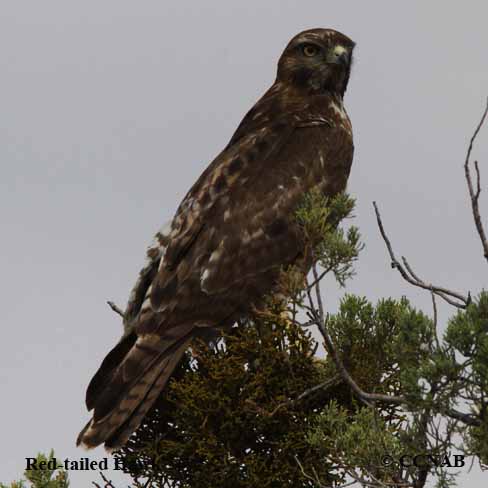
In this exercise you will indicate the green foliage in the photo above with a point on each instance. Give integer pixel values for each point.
(392, 339)
(14, 484)
(335, 250)
(359, 439)
(467, 348)
(226, 419)
(42, 478)
(467, 334)
(387, 349)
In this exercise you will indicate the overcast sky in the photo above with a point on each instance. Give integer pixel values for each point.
(109, 111)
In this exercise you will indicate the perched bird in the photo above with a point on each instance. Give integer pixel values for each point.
(232, 233)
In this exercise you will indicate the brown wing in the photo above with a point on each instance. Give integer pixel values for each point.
(238, 219)
(238, 165)
(259, 232)
(260, 114)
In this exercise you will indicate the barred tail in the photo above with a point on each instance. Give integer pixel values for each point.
(121, 396)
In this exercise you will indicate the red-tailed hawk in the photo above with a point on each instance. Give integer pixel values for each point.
(232, 233)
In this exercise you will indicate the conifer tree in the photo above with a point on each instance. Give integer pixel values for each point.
(389, 405)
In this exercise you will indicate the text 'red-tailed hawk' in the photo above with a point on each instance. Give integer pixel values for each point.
(232, 233)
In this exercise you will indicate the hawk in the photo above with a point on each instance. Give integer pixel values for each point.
(233, 232)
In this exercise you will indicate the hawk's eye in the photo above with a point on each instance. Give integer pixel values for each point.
(310, 50)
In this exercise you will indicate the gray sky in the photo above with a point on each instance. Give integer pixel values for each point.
(109, 110)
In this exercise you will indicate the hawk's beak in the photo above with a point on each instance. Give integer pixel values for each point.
(338, 55)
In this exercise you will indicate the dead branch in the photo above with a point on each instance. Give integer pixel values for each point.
(321, 386)
(465, 418)
(435, 320)
(108, 483)
(453, 298)
(316, 480)
(475, 194)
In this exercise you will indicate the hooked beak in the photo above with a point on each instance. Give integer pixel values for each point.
(338, 55)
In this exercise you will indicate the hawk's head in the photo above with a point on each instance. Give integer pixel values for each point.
(317, 60)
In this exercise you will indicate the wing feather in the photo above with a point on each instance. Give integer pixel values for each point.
(218, 234)
(239, 164)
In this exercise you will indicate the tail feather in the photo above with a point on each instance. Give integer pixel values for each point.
(122, 434)
(107, 369)
(132, 377)
(131, 389)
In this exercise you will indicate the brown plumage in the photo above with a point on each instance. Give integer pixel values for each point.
(232, 233)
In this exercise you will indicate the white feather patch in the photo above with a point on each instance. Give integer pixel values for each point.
(338, 108)
(215, 256)
(205, 275)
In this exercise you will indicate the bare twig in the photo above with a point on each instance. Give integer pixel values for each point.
(452, 297)
(116, 309)
(434, 307)
(466, 418)
(439, 290)
(321, 386)
(474, 195)
(108, 483)
(147, 483)
(317, 291)
(315, 480)
(320, 277)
